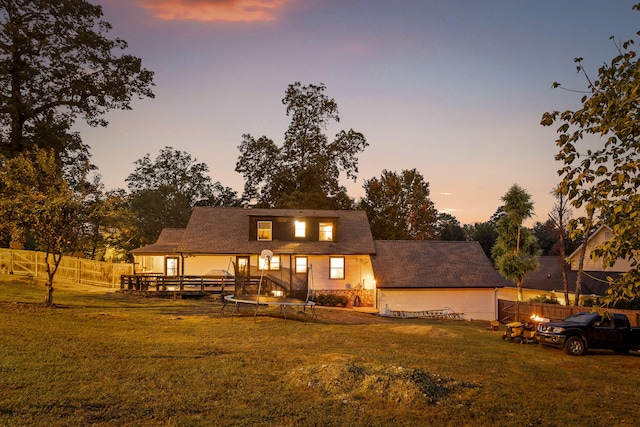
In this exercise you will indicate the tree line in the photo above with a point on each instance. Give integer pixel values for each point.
(58, 65)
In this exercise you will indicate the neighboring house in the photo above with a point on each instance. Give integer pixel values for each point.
(598, 237)
(547, 281)
(420, 275)
(319, 249)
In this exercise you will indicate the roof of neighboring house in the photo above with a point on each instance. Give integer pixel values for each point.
(167, 242)
(214, 230)
(432, 264)
(549, 278)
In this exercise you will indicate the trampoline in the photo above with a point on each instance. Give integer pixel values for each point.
(288, 295)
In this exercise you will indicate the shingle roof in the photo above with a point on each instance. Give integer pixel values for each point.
(167, 242)
(214, 230)
(549, 278)
(432, 264)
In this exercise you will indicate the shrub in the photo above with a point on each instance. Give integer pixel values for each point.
(544, 299)
(332, 300)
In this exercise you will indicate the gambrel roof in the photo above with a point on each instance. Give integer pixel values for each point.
(215, 230)
(432, 264)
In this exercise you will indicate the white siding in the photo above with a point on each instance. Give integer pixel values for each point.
(358, 273)
(358, 269)
(475, 304)
(600, 237)
(149, 264)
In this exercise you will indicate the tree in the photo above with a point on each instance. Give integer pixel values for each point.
(38, 200)
(448, 228)
(164, 192)
(56, 63)
(557, 223)
(516, 250)
(546, 237)
(484, 233)
(606, 179)
(305, 171)
(398, 206)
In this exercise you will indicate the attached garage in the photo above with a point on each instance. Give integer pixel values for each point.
(435, 275)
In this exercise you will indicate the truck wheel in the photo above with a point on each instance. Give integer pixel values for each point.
(517, 340)
(574, 346)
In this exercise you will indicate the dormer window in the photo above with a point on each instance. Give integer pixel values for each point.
(326, 232)
(265, 230)
(300, 229)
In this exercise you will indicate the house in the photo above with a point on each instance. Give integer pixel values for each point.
(326, 251)
(321, 250)
(547, 281)
(600, 236)
(420, 275)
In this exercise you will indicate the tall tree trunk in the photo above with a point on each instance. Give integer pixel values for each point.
(565, 280)
(519, 286)
(583, 251)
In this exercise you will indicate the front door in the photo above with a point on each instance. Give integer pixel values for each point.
(171, 266)
(242, 274)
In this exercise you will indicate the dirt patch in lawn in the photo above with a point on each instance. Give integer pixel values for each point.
(355, 382)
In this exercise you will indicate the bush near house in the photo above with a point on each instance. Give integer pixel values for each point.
(332, 300)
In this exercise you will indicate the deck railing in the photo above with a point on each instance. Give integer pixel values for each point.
(159, 282)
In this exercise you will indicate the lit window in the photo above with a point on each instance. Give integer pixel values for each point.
(272, 264)
(264, 230)
(326, 231)
(336, 268)
(301, 227)
(301, 264)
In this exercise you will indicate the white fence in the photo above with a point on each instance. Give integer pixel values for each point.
(79, 270)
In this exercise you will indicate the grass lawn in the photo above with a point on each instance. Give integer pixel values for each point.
(104, 359)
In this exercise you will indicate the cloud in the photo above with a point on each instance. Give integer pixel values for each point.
(449, 210)
(215, 10)
(446, 194)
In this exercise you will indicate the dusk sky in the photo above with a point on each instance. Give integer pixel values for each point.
(452, 88)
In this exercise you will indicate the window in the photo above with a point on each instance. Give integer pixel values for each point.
(272, 264)
(336, 268)
(264, 230)
(301, 264)
(301, 227)
(326, 232)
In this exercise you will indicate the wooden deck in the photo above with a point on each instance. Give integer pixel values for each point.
(179, 285)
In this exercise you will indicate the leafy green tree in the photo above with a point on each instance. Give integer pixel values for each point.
(604, 181)
(39, 201)
(448, 228)
(545, 236)
(485, 233)
(398, 206)
(516, 250)
(56, 63)
(305, 171)
(164, 191)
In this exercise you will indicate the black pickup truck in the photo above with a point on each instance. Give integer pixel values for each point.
(582, 331)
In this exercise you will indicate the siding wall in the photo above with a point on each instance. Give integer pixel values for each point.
(358, 269)
(475, 304)
(590, 265)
